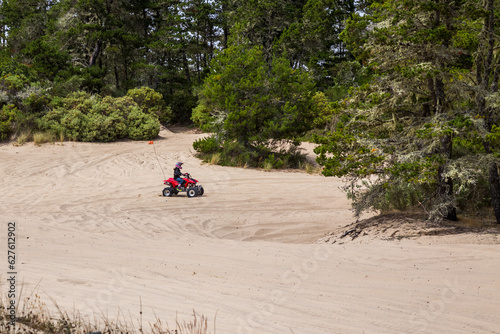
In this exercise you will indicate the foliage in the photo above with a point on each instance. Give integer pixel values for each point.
(142, 126)
(202, 118)
(20, 89)
(85, 117)
(232, 153)
(256, 106)
(151, 102)
(43, 137)
(313, 39)
(410, 129)
(7, 117)
(257, 102)
(207, 145)
(325, 111)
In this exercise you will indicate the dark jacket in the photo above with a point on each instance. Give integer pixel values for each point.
(177, 173)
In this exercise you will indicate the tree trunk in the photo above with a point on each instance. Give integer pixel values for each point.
(495, 189)
(186, 66)
(225, 25)
(429, 108)
(446, 193)
(494, 179)
(95, 54)
(487, 69)
(445, 183)
(440, 96)
(117, 78)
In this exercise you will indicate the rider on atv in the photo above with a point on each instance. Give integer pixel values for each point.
(177, 184)
(178, 174)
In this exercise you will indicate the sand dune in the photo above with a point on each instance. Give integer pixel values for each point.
(95, 235)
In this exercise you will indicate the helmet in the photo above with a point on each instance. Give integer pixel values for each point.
(179, 165)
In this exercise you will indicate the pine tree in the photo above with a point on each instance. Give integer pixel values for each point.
(258, 104)
(485, 89)
(411, 128)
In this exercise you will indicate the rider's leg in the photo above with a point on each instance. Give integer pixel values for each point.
(180, 180)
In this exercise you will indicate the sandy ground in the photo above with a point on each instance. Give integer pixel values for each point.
(95, 235)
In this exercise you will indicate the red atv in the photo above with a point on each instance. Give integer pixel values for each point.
(190, 187)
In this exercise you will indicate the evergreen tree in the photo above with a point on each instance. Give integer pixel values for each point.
(484, 87)
(411, 126)
(257, 104)
(313, 40)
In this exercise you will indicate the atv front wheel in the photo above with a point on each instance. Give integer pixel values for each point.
(168, 192)
(191, 192)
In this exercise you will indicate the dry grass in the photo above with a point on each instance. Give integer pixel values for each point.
(61, 137)
(215, 159)
(268, 166)
(23, 137)
(312, 169)
(34, 317)
(43, 137)
(309, 167)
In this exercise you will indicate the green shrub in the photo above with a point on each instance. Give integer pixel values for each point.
(73, 123)
(387, 196)
(206, 145)
(64, 87)
(324, 111)
(472, 190)
(202, 118)
(85, 117)
(273, 162)
(151, 103)
(182, 103)
(8, 116)
(233, 148)
(13, 82)
(234, 153)
(103, 128)
(35, 99)
(142, 126)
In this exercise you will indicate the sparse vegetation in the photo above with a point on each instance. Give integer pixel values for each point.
(24, 137)
(43, 137)
(34, 317)
(232, 153)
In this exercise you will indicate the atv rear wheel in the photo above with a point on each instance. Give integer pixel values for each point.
(168, 192)
(192, 192)
(201, 191)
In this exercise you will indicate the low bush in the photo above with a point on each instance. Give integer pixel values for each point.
(202, 118)
(8, 115)
(84, 117)
(273, 162)
(151, 102)
(206, 145)
(142, 126)
(234, 153)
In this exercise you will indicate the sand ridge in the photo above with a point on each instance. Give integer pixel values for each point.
(96, 236)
